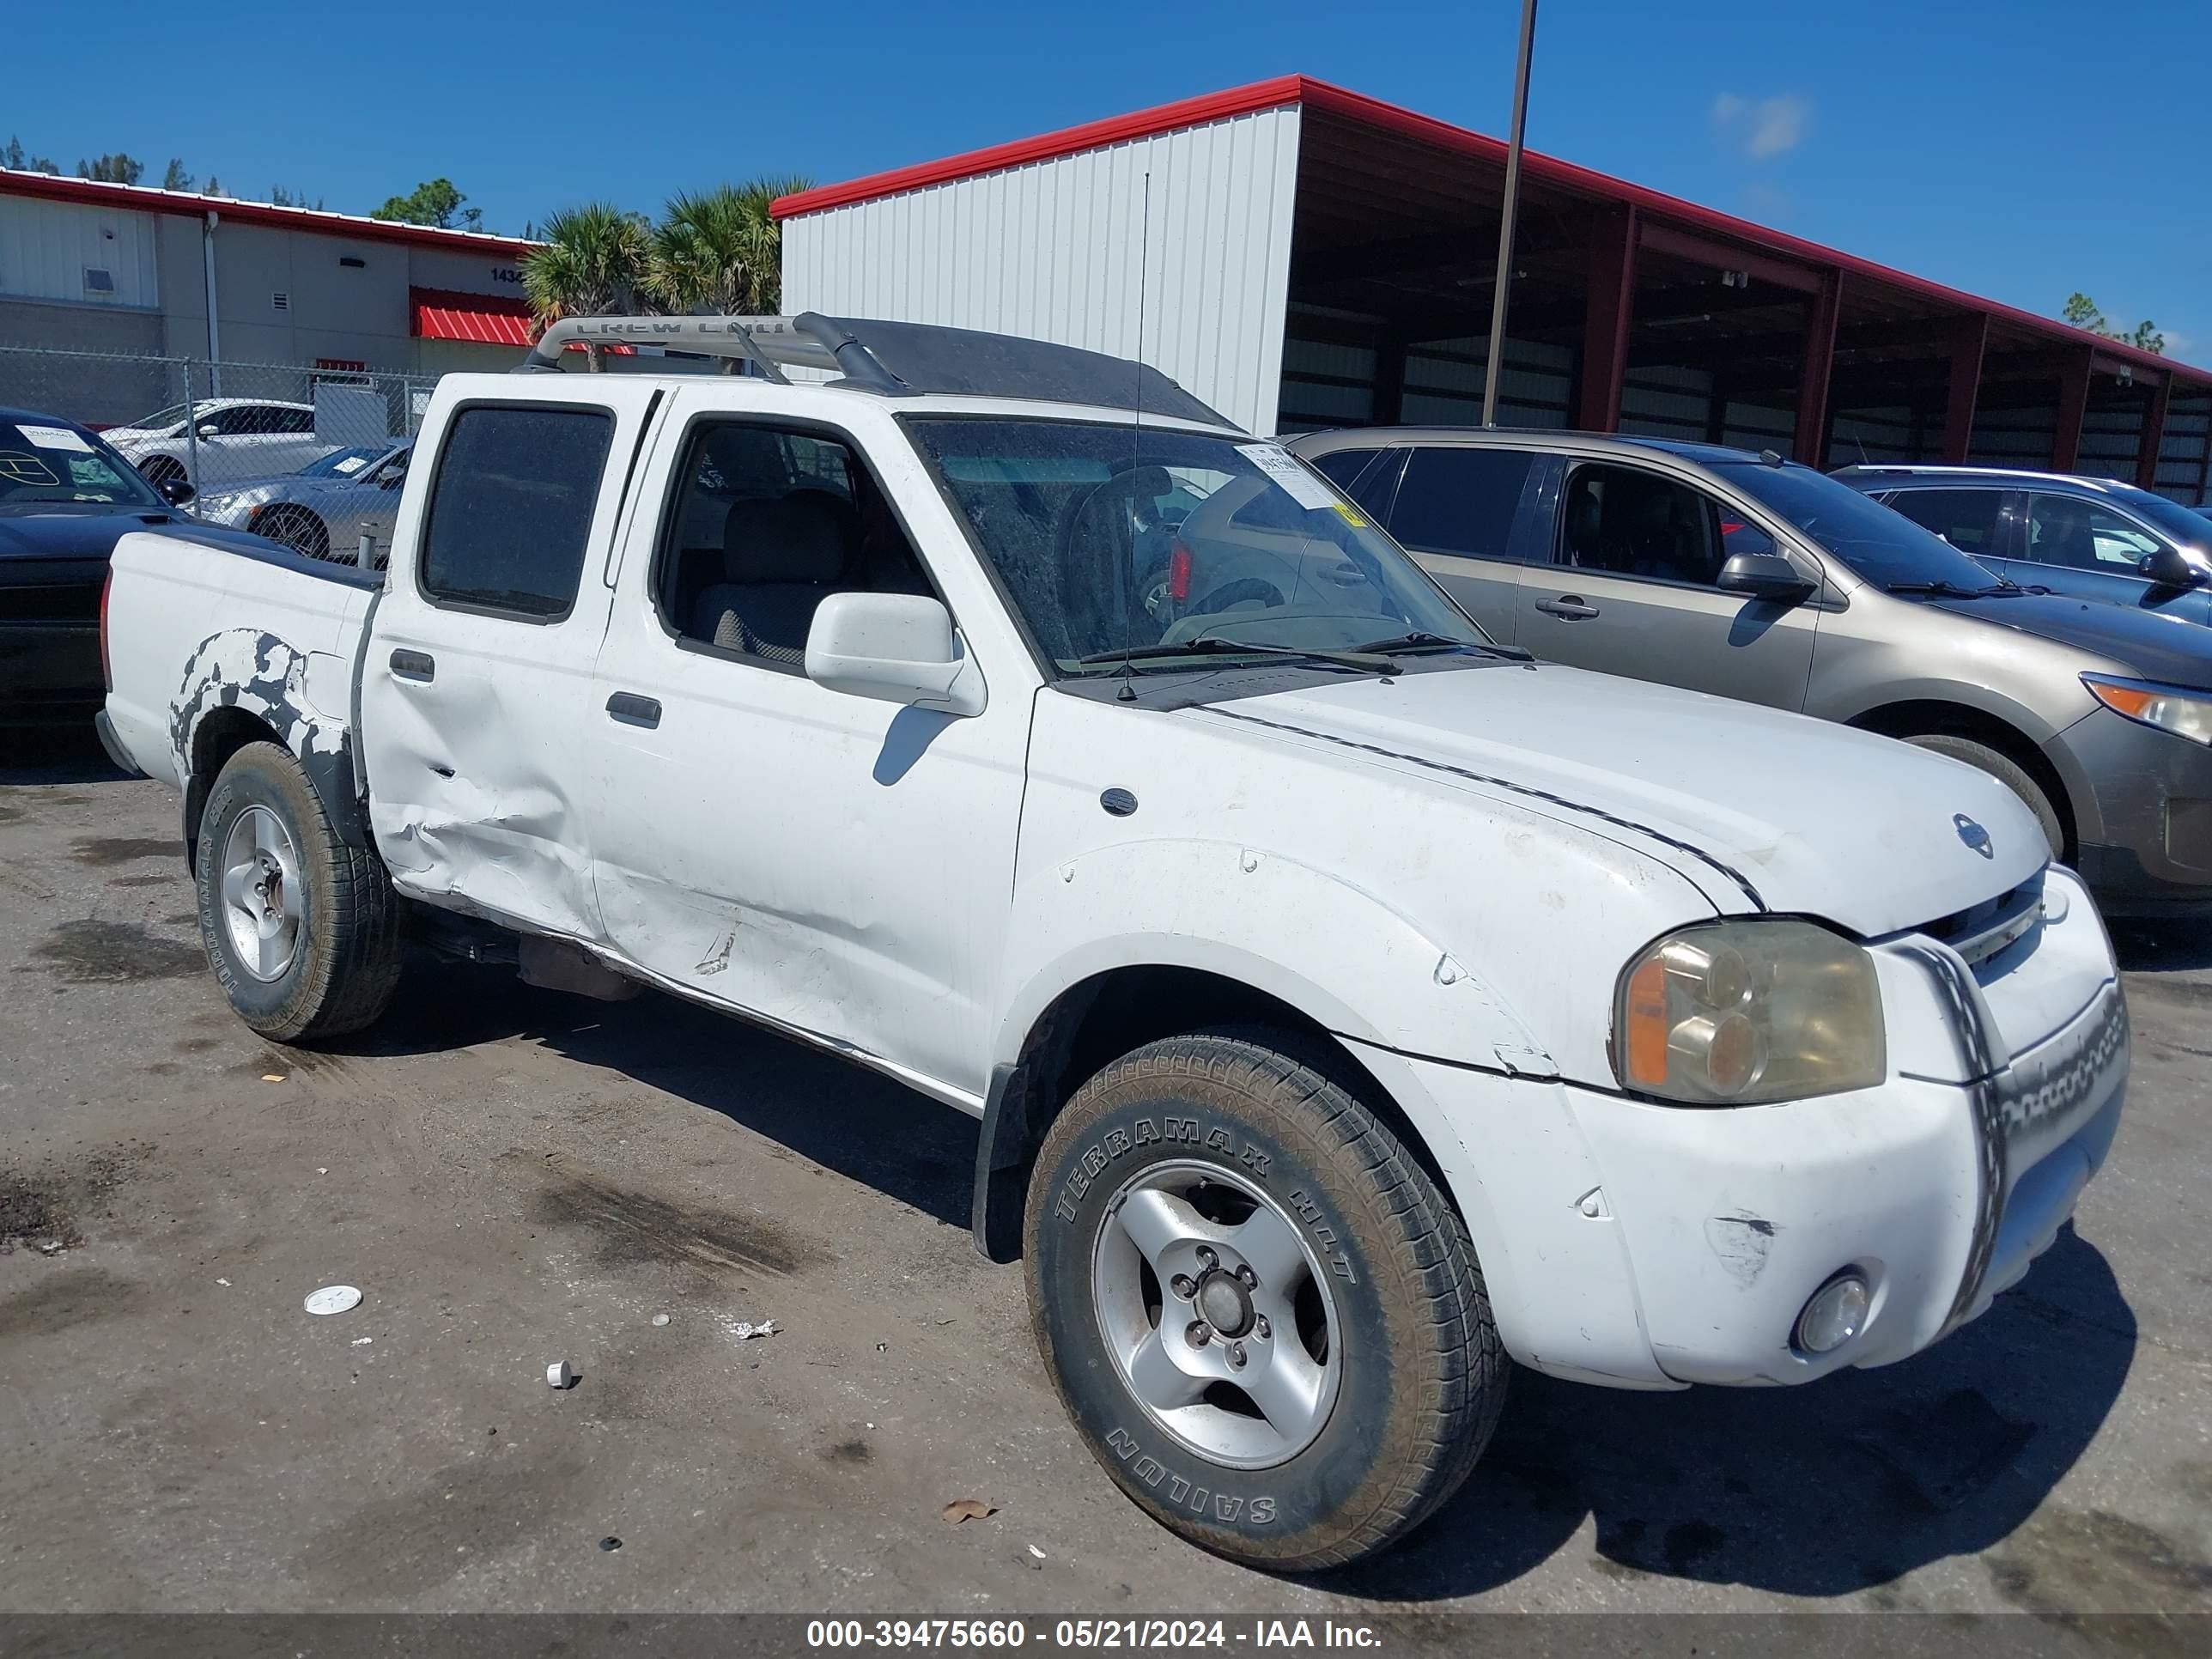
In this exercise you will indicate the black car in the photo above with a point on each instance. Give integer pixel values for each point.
(65, 498)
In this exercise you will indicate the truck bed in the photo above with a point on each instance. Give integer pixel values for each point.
(258, 628)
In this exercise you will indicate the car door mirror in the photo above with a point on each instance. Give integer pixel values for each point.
(1765, 576)
(207, 429)
(2166, 567)
(894, 647)
(174, 491)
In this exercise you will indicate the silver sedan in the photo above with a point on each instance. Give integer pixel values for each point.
(324, 510)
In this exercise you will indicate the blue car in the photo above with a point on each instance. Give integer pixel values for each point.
(2086, 538)
(65, 498)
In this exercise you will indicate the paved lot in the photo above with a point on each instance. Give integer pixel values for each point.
(515, 1177)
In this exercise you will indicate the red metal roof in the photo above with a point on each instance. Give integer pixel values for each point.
(1340, 102)
(92, 193)
(485, 318)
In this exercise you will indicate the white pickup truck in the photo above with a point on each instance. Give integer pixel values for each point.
(1349, 1004)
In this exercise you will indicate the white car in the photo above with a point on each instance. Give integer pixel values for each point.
(1349, 1004)
(237, 438)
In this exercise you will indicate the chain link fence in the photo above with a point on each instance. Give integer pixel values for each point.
(304, 454)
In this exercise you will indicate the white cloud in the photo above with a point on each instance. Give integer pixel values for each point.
(1761, 127)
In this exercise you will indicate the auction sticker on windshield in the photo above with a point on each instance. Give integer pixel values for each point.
(54, 437)
(1300, 485)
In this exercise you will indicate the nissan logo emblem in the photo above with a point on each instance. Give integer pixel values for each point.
(1973, 835)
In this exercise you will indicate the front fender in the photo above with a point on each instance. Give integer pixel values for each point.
(1340, 955)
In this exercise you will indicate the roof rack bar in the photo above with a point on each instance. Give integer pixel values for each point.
(768, 341)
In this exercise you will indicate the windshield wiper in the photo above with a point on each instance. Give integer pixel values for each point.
(1422, 639)
(1944, 590)
(1210, 644)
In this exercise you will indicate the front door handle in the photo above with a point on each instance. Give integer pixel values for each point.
(418, 666)
(1567, 607)
(633, 710)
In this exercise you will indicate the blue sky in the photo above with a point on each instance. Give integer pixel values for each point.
(2018, 151)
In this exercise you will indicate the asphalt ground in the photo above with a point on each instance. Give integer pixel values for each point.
(515, 1177)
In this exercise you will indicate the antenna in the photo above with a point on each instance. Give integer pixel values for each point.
(1128, 691)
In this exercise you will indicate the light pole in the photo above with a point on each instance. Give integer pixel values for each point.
(1504, 284)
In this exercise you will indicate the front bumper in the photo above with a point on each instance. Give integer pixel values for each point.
(2149, 852)
(1654, 1246)
(49, 672)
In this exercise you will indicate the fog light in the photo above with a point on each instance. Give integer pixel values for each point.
(1836, 1314)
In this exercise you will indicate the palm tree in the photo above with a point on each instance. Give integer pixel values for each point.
(592, 264)
(721, 252)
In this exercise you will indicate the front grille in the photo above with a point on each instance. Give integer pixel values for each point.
(72, 602)
(1978, 934)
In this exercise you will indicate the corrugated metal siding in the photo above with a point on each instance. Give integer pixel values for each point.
(1052, 250)
(48, 248)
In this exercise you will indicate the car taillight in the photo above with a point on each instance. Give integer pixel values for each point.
(1178, 572)
(106, 672)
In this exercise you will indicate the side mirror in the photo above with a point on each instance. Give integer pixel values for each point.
(207, 429)
(174, 489)
(1764, 576)
(894, 647)
(2166, 567)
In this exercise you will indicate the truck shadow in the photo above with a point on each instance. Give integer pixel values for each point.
(1839, 1487)
(839, 1114)
(1824, 1490)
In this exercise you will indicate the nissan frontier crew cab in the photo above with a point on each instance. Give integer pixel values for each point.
(1350, 1004)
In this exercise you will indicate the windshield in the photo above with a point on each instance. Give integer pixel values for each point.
(1885, 547)
(1111, 538)
(39, 463)
(344, 463)
(162, 418)
(2184, 524)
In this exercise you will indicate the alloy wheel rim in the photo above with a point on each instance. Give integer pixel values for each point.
(1219, 1319)
(261, 895)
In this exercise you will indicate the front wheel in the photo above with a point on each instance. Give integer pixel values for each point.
(1263, 1316)
(301, 929)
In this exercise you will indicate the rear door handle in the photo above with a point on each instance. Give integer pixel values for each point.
(1568, 606)
(414, 665)
(633, 710)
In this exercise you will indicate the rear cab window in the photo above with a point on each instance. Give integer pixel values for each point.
(511, 508)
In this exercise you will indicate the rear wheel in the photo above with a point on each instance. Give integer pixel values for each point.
(301, 929)
(1263, 1316)
(2008, 772)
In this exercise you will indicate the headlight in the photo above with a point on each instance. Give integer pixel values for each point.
(230, 507)
(2185, 713)
(1740, 1013)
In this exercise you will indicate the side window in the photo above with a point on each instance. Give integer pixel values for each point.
(1967, 519)
(512, 508)
(1633, 522)
(769, 522)
(2067, 530)
(291, 422)
(1460, 502)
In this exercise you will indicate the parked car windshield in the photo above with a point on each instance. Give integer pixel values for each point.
(43, 463)
(1884, 546)
(2184, 524)
(345, 463)
(1113, 538)
(162, 419)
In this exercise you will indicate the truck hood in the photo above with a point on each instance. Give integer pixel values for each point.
(1756, 807)
(2152, 645)
(83, 533)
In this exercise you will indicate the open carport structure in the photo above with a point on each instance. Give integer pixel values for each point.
(1304, 256)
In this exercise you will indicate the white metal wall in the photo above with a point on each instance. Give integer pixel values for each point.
(46, 249)
(1051, 251)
